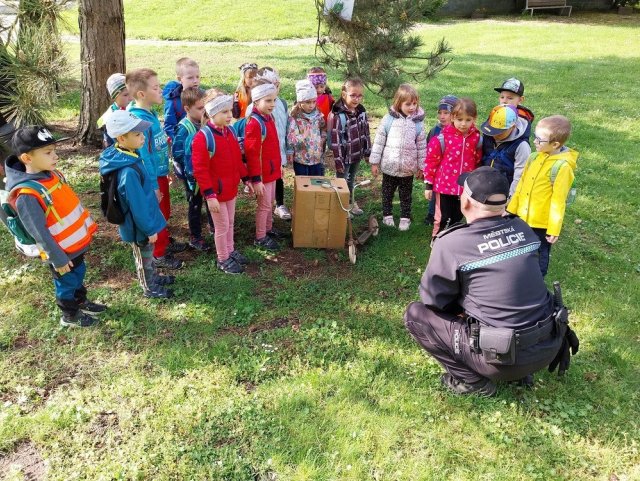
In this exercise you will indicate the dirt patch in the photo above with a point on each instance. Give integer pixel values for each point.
(104, 423)
(23, 342)
(25, 460)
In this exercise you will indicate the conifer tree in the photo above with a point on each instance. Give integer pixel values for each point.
(377, 44)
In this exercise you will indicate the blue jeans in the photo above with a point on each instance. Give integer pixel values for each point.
(349, 174)
(69, 287)
(544, 251)
(312, 170)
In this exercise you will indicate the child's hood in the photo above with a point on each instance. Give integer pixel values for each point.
(525, 113)
(566, 154)
(522, 126)
(16, 172)
(113, 158)
(417, 116)
(172, 90)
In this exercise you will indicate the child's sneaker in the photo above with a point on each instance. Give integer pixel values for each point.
(158, 292)
(199, 244)
(167, 261)
(404, 223)
(174, 246)
(160, 280)
(230, 266)
(282, 212)
(275, 234)
(356, 210)
(92, 307)
(388, 220)
(239, 258)
(267, 243)
(80, 319)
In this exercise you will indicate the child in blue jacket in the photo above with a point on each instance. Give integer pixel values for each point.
(193, 102)
(143, 218)
(188, 75)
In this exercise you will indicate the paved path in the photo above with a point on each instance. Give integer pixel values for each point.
(191, 43)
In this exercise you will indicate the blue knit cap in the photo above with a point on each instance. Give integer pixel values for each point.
(447, 102)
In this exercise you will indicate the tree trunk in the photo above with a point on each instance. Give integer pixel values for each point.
(101, 54)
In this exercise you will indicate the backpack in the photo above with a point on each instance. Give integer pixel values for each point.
(239, 128)
(441, 139)
(388, 120)
(24, 242)
(109, 200)
(187, 168)
(553, 174)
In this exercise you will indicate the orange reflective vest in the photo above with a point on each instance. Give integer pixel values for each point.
(68, 221)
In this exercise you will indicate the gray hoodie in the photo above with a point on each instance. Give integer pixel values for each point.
(31, 214)
(522, 152)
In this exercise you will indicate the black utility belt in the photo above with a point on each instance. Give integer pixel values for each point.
(498, 345)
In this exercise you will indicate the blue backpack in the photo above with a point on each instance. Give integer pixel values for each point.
(239, 128)
(187, 168)
(388, 120)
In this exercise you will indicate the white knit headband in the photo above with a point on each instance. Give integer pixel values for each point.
(218, 104)
(262, 91)
(270, 76)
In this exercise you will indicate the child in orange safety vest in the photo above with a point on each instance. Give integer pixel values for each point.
(61, 226)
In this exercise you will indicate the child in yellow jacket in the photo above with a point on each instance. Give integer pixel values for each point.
(541, 195)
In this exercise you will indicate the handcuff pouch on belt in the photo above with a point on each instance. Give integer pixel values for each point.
(498, 344)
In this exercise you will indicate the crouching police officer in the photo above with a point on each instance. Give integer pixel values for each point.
(486, 314)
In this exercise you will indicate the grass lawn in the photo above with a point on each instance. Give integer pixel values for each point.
(302, 369)
(219, 20)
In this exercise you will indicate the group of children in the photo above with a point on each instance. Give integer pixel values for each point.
(212, 155)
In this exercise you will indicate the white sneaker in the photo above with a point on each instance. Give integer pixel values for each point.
(356, 210)
(388, 220)
(282, 212)
(404, 223)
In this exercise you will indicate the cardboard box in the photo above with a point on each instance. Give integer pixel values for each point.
(318, 221)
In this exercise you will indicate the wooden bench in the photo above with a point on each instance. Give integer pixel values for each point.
(539, 4)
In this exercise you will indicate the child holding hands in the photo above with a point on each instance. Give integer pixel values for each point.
(398, 150)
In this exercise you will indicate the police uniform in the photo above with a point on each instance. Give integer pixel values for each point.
(483, 281)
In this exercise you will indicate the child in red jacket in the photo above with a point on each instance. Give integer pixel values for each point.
(218, 168)
(263, 161)
(462, 152)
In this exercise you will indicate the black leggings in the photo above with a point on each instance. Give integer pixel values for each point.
(447, 212)
(279, 192)
(404, 185)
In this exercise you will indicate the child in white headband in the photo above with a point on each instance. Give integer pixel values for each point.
(218, 175)
(263, 156)
(281, 117)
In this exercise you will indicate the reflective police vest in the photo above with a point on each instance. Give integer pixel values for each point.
(69, 223)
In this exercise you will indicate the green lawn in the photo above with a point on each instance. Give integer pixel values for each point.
(302, 369)
(219, 20)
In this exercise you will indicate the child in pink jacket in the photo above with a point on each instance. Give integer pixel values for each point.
(457, 149)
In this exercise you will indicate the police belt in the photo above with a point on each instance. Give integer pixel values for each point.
(523, 338)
